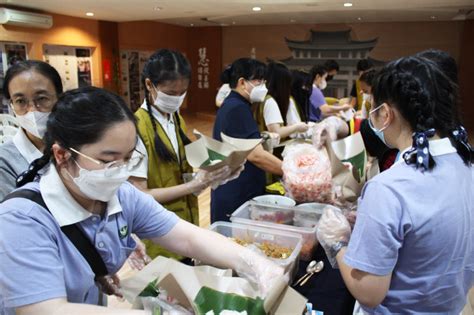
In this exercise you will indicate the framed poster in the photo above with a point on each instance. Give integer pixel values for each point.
(74, 64)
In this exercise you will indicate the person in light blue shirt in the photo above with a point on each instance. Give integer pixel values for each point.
(412, 247)
(89, 155)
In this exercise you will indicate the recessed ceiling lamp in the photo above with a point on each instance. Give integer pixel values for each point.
(256, 9)
(433, 17)
(233, 23)
(292, 21)
(191, 24)
(157, 8)
(348, 4)
(359, 19)
(90, 14)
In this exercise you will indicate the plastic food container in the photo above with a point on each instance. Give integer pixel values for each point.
(310, 214)
(275, 200)
(308, 234)
(255, 234)
(271, 213)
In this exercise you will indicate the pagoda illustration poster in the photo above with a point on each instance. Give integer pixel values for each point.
(337, 45)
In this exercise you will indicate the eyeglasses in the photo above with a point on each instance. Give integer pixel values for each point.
(43, 103)
(114, 167)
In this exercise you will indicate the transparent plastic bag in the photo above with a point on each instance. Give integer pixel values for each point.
(307, 174)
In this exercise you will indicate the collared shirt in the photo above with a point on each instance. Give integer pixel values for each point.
(15, 157)
(26, 147)
(419, 226)
(168, 125)
(39, 262)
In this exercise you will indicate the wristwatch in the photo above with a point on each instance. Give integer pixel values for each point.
(336, 247)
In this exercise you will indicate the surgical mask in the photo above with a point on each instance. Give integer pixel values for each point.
(96, 185)
(378, 132)
(34, 122)
(323, 85)
(168, 104)
(258, 93)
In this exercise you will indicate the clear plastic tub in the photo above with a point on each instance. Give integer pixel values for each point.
(255, 234)
(310, 215)
(271, 213)
(242, 216)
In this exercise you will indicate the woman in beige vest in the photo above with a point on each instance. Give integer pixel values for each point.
(166, 77)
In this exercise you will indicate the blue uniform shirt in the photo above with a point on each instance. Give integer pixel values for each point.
(419, 226)
(235, 119)
(39, 262)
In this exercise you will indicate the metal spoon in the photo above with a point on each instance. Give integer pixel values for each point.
(319, 266)
(309, 269)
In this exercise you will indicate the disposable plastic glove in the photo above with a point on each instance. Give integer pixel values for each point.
(270, 140)
(260, 270)
(138, 258)
(204, 179)
(326, 130)
(231, 177)
(333, 233)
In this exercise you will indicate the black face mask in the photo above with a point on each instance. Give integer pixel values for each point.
(329, 77)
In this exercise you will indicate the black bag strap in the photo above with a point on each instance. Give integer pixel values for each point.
(72, 231)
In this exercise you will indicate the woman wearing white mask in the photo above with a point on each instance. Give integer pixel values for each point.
(31, 87)
(161, 128)
(88, 157)
(318, 107)
(235, 119)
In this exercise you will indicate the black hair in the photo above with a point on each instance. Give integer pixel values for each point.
(279, 86)
(445, 62)
(224, 77)
(364, 65)
(424, 96)
(80, 117)
(164, 66)
(301, 88)
(331, 64)
(368, 77)
(247, 68)
(41, 67)
(317, 70)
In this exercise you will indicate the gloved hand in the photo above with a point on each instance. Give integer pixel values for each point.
(260, 270)
(301, 127)
(138, 258)
(326, 130)
(333, 233)
(203, 178)
(270, 140)
(110, 285)
(231, 177)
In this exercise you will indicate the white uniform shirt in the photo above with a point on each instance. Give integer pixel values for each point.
(26, 147)
(271, 112)
(292, 116)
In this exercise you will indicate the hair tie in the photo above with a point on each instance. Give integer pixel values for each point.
(460, 135)
(421, 148)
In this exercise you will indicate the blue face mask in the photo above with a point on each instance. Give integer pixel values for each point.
(378, 132)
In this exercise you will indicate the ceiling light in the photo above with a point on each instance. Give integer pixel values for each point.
(90, 14)
(433, 17)
(348, 4)
(157, 8)
(191, 24)
(359, 18)
(233, 22)
(256, 9)
(292, 21)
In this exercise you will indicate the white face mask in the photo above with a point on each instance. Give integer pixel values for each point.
(258, 93)
(34, 123)
(168, 104)
(323, 84)
(96, 185)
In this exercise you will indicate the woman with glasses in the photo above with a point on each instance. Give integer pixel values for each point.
(89, 154)
(32, 88)
(166, 76)
(235, 119)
